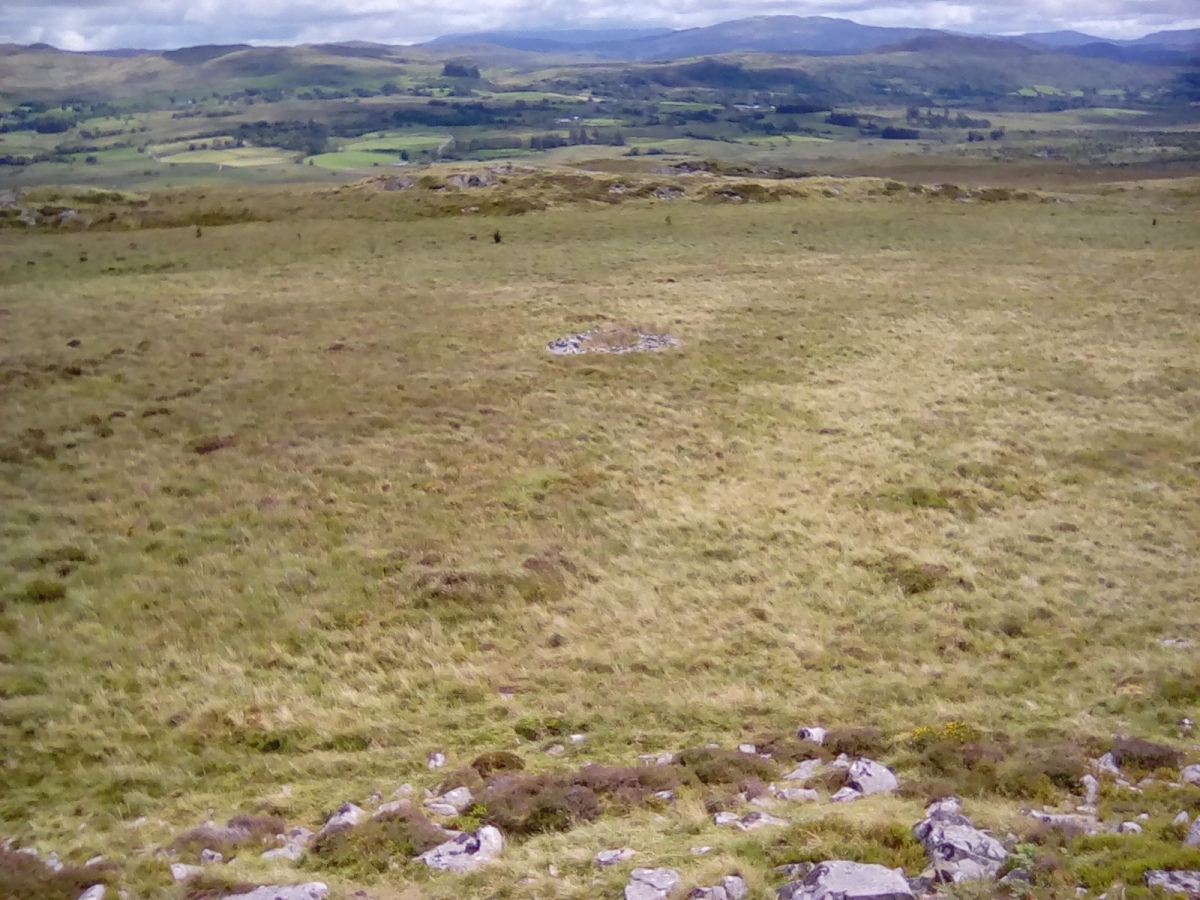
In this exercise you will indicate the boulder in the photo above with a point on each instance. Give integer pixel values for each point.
(846, 795)
(392, 806)
(1174, 882)
(1091, 789)
(869, 777)
(1193, 836)
(181, 873)
(813, 735)
(756, 820)
(957, 850)
(210, 857)
(347, 816)
(1129, 828)
(840, 880)
(607, 858)
(1191, 774)
(651, 884)
(295, 842)
(466, 852)
(1107, 765)
(95, 892)
(731, 887)
(314, 890)
(806, 771)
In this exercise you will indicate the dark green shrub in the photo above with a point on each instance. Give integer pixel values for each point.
(725, 767)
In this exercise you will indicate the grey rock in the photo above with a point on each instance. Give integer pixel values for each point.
(1142, 817)
(1066, 823)
(813, 735)
(28, 218)
(794, 870)
(314, 890)
(731, 887)
(458, 799)
(840, 880)
(404, 792)
(1129, 828)
(578, 738)
(748, 749)
(665, 796)
(601, 341)
(1175, 643)
(466, 852)
(552, 871)
(95, 892)
(1091, 789)
(651, 884)
(806, 771)
(471, 180)
(53, 863)
(1175, 882)
(798, 795)
(842, 763)
(347, 816)
(210, 857)
(870, 777)
(756, 820)
(1181, 820)
(288, 853)
(701, 851)
(606, 858)
(1190, 774)
(436, 760)
(1193, 835)
(181, 872)
(555, 750)
(391, 807)
(1107, 765)
(726, 818)
(846, 795)
(763, 802)
(957, 850)
(94, 861)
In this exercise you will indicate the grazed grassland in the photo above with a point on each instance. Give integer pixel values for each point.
(309, 493)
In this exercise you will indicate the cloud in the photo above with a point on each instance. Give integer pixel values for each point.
(104, 24)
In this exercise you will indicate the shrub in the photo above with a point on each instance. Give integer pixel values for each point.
(1099, 861)
(241, 832)
(725, 767)
(372, 847)
(855, 741)
(535, 804)
(40, 590)
(487, 764)
(24, 877)
(1138, 753)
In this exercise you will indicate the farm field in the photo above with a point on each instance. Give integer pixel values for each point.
(295, 497)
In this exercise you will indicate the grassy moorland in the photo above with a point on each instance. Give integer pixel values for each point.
(292, 502)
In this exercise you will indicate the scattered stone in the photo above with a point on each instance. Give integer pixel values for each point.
(840, 880)
(1175, 882)
(726, 818)
(869, 777)
(1191, 774)
(471, 180)
(314, 890)
(1142, 817)
(806, 771)
(210, 857)
(667, 193)
(182, 873)
(53, 863)
(957, 850)
(95, 892)
(701, 851)
(94, 861)
(748, 749)
(842, 762)
(657, 759)
(578, 738)
(1175, 643)
(404, 792)
(798, 795)
(287, 853)
(347, 816)
(436, 760)
(756, 820)
(812, 735)
(846, 795)
(1107, 765)
(552, 871)
(794, 870)
(391, 807)
(665, 796)
(599, 340)
(762, 802)
(1186, 725)
(1066, 823)
(651, 884)
(460, 798)
(1129, 828)
(1091, 789)
(555, 750)
(731, 887)
(1181, 820)
(606, 858)
(1193, 835)
(466, 852)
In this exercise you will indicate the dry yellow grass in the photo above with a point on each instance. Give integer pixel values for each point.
(917, 461)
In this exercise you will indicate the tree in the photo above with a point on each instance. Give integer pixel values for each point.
(459, 70)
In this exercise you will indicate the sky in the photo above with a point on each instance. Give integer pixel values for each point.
(156, 24)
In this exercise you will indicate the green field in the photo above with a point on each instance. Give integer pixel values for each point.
(235, 157)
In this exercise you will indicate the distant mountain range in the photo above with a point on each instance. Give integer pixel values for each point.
(809, 35)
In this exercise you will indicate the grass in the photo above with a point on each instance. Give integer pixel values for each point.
(244, 157)
(326, 502)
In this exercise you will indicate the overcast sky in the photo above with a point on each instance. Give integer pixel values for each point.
(105, 24)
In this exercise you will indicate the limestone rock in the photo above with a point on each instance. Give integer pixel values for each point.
(210, 857)
(756, 820)
(957, 850)
(840, 880)
(1091, 789)
(95, 892)
(731, 887)
(607, 858)
(806, 771)
(1107, 765)
(726, 818)
(651, 884)
(466, 852)
(1193, 835)
(1067, 823)
(846, 795)
(1129, 828)
(347, 816)
(53, 863)
(181, 872)
(797, 795)
(1181, 820)
(1175, 882)
(869, 777)
(436, 760)
(314, 890)
(701, 851)
(1191, 774)
(748, 749)
(391, 807)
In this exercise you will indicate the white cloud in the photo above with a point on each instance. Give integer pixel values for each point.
(102, 24)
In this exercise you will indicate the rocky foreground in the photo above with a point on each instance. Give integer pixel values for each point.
(464, 824)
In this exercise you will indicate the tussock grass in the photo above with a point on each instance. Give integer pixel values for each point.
(917, 462)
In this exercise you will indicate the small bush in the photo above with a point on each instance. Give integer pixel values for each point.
(371, 847)
(623, 788)
(855, 741)
(537, 728)
(1146, 756)
(207, 445)
(40, 590)
(725, 767)
(488, 764)
(241, 832)
(24, 877)
(535, 804)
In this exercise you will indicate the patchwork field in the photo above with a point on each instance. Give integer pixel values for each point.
(294, 502)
